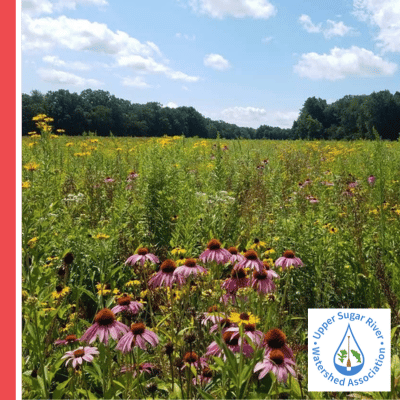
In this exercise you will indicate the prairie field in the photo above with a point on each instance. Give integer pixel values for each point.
(259, 231)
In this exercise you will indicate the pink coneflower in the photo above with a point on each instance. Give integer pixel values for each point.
(109, 180)
(69, 339)
(191, 358)
(138, 335)
(143, 367)
(212, 315)
(276, 362)
(352, 184)
(250, 332)
(371, 179)
(190, 268)
(326, 183)
(251, 261)
(262, 281)
(81, 353)
(288, 258)
(235, 255)
(142, 256)
(275, 339)
(312, 199)
(215, 253)
(233, 345)
(238, 280)
(125, 303)
(132, 176)
(104, 325)
(165, 276)
(204, 377)
(223, 324)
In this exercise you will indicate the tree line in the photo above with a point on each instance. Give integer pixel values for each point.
(352, 117)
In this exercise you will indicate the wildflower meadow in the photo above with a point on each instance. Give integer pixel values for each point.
(179, 268)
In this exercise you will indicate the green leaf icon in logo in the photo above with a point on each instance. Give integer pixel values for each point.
(342, 355)
(356, 355)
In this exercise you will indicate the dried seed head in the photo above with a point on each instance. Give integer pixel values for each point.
(214, 244)
(104, 317)
(68, 258)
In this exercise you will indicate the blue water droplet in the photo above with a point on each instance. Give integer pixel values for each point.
(348, 358)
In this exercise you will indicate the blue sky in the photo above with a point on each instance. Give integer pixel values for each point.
(249, 62)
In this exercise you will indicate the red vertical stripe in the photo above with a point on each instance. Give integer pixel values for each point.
(8, 198)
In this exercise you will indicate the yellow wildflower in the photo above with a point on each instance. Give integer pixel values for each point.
(60, 292)
(26, 185)
(178, 251)
(32, 242)
(243, 318)
(31, 166)
(101, 236)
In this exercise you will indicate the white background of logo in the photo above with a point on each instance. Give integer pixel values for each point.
(367, 340)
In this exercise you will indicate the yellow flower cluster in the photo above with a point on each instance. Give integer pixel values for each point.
(101, 236)
(31, 166)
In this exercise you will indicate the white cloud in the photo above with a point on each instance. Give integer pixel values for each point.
(262, 9)
(171, 104)
(305, 20)
(267, 39)
(185, 36)
(254, 117)
(336, 29)
(66, 78)
(137, 82)
(38, 7)
(333, 29)
(385, 14)
(83, 35)
(216, 61)
(57, 62)
(341, 63)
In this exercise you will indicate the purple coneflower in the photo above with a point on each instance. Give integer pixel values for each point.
(125, 303)
(275, 339)
(142, 256)
(288, 258)
(212, 315)
(138, 335)
(223, 324)
(81, 353)
(143, 367)
(232, 343)
(69, 339)
(190, 268)
(109, 180)
(204, 377)
(352, 184)
(251, 261)
(165, 276)
(104, 325)
(262, 281)
(192, 358)
(132, 176)
(276, 362)
(215, 253)
(238, 280)
(235, 255)
(371, 179)
(250, 331)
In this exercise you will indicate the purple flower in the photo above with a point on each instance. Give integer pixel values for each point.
(204, 378)
(142, 256)
(190, 268)
(125, 304)
(288, 259)
(109, 180)
(81, 353)
(138, 335)
(132, 176)
(165, 276)
(255, 336)
(238, 280)
(68, 340)
(262, 281)
(275, 339)
(276, 362)
(222, 325)
(215, 253)
(104, 325)
(251, 261)
(235, 255)
(233, 345)
(212, 315)
(371, 179)
(143, 367)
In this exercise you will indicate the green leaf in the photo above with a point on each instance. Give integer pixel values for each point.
(59, 390)
(87, 394)
(205, 395)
